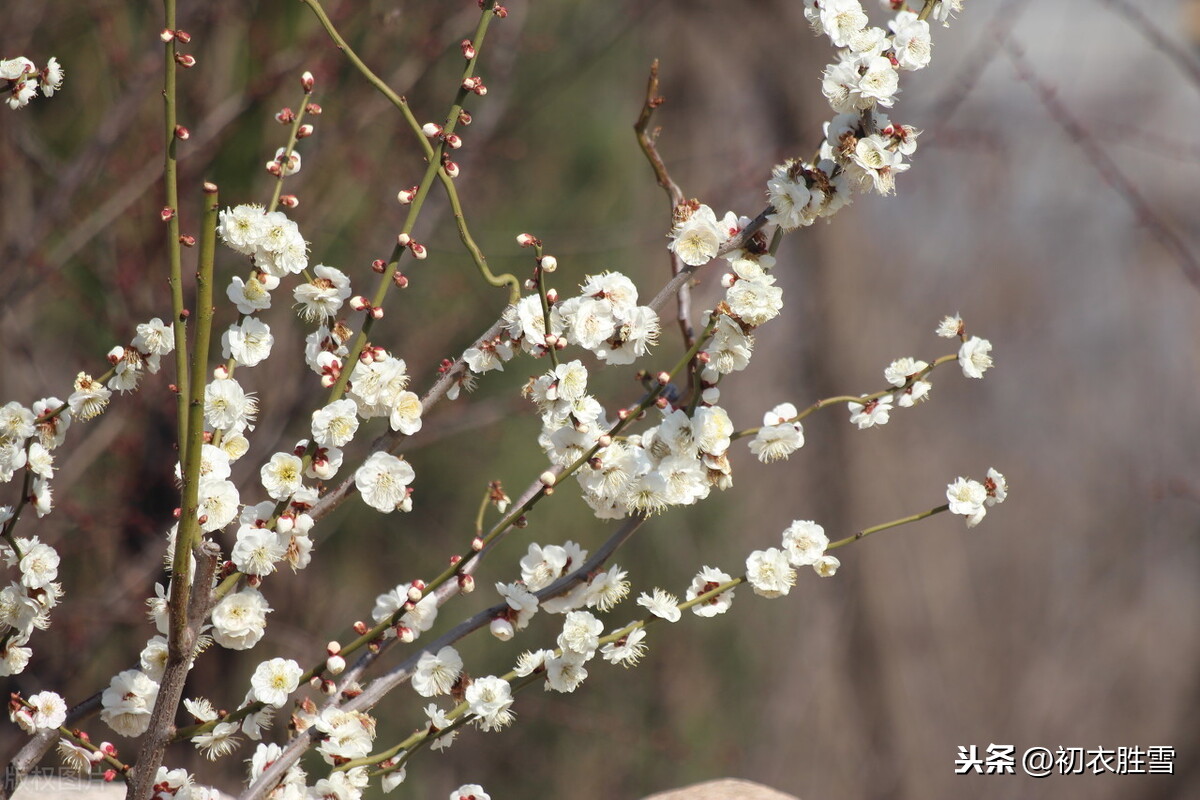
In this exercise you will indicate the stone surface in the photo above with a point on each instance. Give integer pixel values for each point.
(723, 789)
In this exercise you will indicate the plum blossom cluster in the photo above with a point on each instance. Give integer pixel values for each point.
(772, 572)
(21, 80)
(972, 499)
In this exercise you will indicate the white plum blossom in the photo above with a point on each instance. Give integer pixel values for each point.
(997, 487)
(769, 573)
(580, 634)
(335, 424)
(974, 357)
(436, 673)
(870, 413)
(661, 604)
(89, 398)
(274, 680)
(911, 41)
(470, 791)
(218, 503)
(826, 566)
(258, 550)
(565, 672)
(697, 235)
(282, 476)
(321, 298)
(778, 437)
(627, 650)
(127, 702)
(489, 699)
(950, 327)
(227, 407)
(249, 296)
(239, 620)
(804, 541)
(967, 497)
(383, 481)
(48, 711)
(247, 342)
(347, 734)
(706, 580)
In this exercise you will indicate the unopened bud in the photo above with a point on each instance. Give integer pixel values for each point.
(183, 36)
(181, 133)
(548, 263)
(307, 81)
(502, 629)
(551, 340)
(500, 11)
(108, 749)
(360, 303)
(403, 239)
(404, 634)
(466, 584)
(477, 544)
(468, 49)
(663, 378)
(221, 372)
(451, 168)
(526, 239)
(274, 168)
(455, 559)
(604, 440)
(552, 296)
(418, 250)
(547, 478)
(116, 354)
(711, 396)
(464, 118)
(377, 312)
(406, 196)
(335, 665)
(414, 594)
(469, 84)
(304, 131)
(431, 129)
(480, 89)
(379, 265)
(360, 627)
(167, 214)
(185, 60)
(166, 35)
(728, 279)
(289, 201)
(328, 688)
(453, 141)
(399, 280)
(187, 240)
(661, 402)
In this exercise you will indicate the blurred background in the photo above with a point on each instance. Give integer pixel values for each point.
(1054, 208)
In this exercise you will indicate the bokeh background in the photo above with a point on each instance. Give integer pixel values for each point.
(1064, 233)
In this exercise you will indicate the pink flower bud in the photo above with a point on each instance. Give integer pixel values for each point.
(404, 634)
(327, 381)
(400, 280)
(379, 265)
(307, 81)
(110, 775)
(274, 168)
(661, 403)
(500, 11)
(187, 240)
(360, 303)
(360, 627)
(464, 118)
(167, 214)
(431, 129)
(209, 187)
(477, 544)
(453, 141)
(552, 296)
(480, 89)
(418, 250)
(313, 109)
(451, 169)
(185, 60)
(181, 133)
(289, 201)
(305, 131)
(551, 340)
(328, 688)
(405, 196)
(466, 584)
(468, 49)
(166, 35)
(183, 36)
(663, 378)
(455, 559)
(469, 84)
(377, 312)
(285, 116)
(526, 239)
(403, 239)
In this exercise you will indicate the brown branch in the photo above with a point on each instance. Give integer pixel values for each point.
(648, 141)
